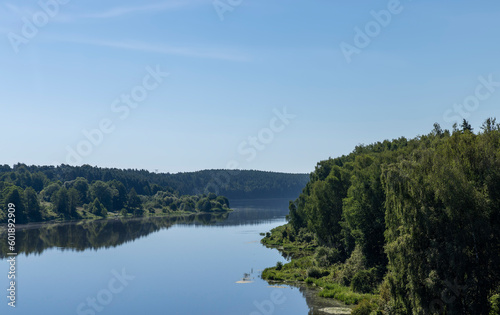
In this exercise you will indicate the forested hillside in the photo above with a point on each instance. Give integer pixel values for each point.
(402, 226)
(230, 183)
(43, 193)
(37, 197)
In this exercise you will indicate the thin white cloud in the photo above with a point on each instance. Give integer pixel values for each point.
(220, 54)
(120, 11)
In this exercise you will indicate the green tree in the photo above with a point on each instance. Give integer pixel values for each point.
(14, 195)
(73, 201)
(119, 198)
(61, 201)
(49, 191)
(134, 202)
(97, 208)
(103, 192)
(82, 186)
(32, 205)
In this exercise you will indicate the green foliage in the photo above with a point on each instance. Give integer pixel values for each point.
(134, 201)
(32, 205)
(314, 272)
(366, 307)
(61, 201)
(364, 281)
(82, 186)
(279, 265)
(443, 205)
(235, 184)
(14, 195)
(104, 193)
(49, 191)
(326, 256)
(97, 208)
(424, 213)
(495, 304)
(342, 293)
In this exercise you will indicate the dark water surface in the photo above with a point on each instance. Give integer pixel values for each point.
(188, 265)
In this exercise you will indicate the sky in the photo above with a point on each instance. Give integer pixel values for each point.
(176, 86)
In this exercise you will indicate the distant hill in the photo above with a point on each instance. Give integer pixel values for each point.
(47, 193)
(235, 184)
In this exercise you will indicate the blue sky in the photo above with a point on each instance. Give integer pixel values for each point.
(228, 78)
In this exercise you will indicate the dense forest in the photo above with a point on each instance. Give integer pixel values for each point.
(234, 184)
(408, 226)
(41, 194)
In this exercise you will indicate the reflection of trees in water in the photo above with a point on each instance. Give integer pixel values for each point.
(96, 234)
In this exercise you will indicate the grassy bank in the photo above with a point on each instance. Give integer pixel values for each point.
(314, 265)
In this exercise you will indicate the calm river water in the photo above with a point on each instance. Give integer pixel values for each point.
(205, 264)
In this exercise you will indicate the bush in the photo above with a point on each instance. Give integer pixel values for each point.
(352, 265)
(314, 272)
(279, 265)
(326, 256)
(364, 281)
(366, 307)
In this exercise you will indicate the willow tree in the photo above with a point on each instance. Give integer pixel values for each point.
(443, 228)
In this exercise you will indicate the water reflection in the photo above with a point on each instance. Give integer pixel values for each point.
(79, 236)
(221, 249)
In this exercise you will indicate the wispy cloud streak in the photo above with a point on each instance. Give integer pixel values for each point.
(217, 53)
(120, 11)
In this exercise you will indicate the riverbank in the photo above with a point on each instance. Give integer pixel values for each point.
(83, 216)
(310, 266)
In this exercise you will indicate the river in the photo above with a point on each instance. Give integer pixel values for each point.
(199, 264)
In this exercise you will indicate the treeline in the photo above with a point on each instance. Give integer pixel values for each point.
(237, 184)
(41, 197)
(416, 222)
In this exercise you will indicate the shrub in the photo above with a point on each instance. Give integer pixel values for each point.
(365, 307)
(364, 281)
(351, 266)
(326, 256)
(279, 265)
(314, 272)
